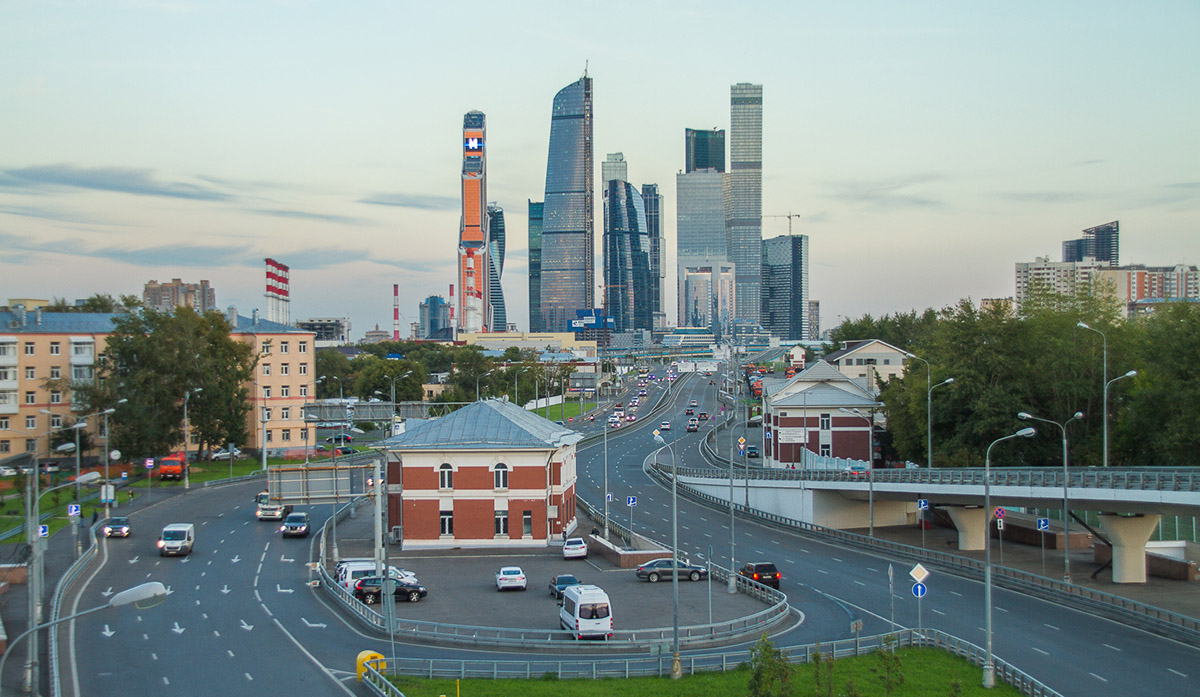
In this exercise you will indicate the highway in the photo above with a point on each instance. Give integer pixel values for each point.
(241, 617)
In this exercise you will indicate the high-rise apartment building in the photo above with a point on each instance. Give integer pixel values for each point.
(496, 268)
(435, 318)
(708, 296)
(1064, 278)
(1140, 289)
(626, 258)
(743, 223)
(165, 297)
(474, 307)
(704, 149)
(568, 265)
(785, 287)
(814, 320)
(614, 167)
(535, 266)
(658, 267)
(1102, 243)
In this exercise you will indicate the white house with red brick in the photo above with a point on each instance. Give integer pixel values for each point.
(806, 413)
(488, 475)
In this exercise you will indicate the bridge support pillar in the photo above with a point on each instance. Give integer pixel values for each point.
(1129, 535)
(972, 526)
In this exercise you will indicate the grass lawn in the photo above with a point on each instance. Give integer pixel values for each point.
(927, 673)
(557, 412)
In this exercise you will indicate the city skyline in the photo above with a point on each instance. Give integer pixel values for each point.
(940, 143)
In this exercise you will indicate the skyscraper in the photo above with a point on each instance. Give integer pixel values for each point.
(785, 287)
(704, 149)
(658, 267)
(474, 309)
(435, 318)
(707, 296)
(499, 321)
(535, 266)
(743, 222)
(699, 224)
(1102, 243)
(568, 264)
(614, 167)
(626, 257)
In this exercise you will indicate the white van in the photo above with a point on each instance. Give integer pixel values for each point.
(177, 538)
(586, 612)
(349, 571)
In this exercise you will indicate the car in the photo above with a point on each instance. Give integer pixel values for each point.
(575, 548)
(692, 426)
(7, 471)
(295, 525)
(856, 470)
(344, 450)
(657, 569)
(754, 422)
(642, 393)
(369, 588)
(591, 417)
(751, 451)
(689, 412)
(664, 426)
(223, 454)
(48, 467)
(703, 416)
(764, 572)
(560, 583)
(615, 424)
(631, 417)
(349, 571)
(340, 438)
(618, 406)
(117, 527)
(510, 577)
(693, 403)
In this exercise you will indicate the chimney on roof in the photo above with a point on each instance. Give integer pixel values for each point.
(231, 316)
(37, 314)
(254, 317)
(19, 310)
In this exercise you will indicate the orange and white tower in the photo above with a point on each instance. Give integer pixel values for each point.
(474, 307)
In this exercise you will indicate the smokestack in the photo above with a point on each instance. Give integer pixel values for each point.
(395, 312)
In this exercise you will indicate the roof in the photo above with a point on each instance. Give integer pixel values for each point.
(823, 384)
(825, 395)
(57, 322)
(856, 345)
(491, 424)
(246, 325)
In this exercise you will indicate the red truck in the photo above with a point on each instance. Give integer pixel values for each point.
(172, 466)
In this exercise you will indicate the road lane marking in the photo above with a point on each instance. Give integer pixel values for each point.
(956, 593)
(248, 676)
(872, 570)
(860, 583)
(1050, 626)
(1044, 653)
(1001, 609)
(1098, 677)
(1177, 673)
(229, 652)
(938, 612)
(165, 681)
(822, 571)
(835, 559)
(1111, 647)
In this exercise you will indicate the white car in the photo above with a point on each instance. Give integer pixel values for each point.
(510, 577)
(223, 454)
(664, 426)
(7, 471)
(575, 548)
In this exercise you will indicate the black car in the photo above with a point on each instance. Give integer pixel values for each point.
(657, 569)
(751, 451)
(368, 589)
(560, 583)
(344, 450)
(762, 571)
(689, 411)
(295, 525)
(117, 527)
(340, 438)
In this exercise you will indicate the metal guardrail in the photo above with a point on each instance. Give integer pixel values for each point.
(379, 684)
(82, 564)
(236, 480)
(1148, 617)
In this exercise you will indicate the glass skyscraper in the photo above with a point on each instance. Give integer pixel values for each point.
(626, 258)
(699, 225)
(785, 287)
(568, 264)
(743, 222)
(703, 150)
(658, 267)
(474, 303)
(499, 321)
(535, 266)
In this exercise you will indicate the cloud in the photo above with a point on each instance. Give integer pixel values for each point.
(140, 182)
(1048, 197)
(887, 194)
(424, 202)
(50, 214)
(306, 215)
(193, 256)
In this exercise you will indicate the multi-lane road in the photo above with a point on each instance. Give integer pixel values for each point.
(241, 616)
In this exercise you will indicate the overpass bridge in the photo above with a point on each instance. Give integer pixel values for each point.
(1130, 500)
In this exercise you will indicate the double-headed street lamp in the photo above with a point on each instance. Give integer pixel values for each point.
(1024, 415)
(1130, 374)
(1104, 380)
(187, 440)
(989, 664)
(477, 382)
(108, 487)
(393, 381)
(676, 665)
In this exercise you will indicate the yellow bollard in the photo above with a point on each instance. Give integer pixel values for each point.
(361, 662)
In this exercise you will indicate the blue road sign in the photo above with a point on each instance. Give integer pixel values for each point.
(630, 500)
(124, 475)
(923, 504)
(43, 531)
(73, 509)
(1000, 511)
(1043, 524)
(608, 496)
(919, 590)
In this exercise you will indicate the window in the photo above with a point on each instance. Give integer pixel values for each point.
(283, 347)
(77, 349)
(30, 373)
(82, 372)
(887, 361)
(55, 397)
(446, 518)
(527, 523)
(285, 434)
(55, 372)
(55, 348)
(266, 392)
(31, 397)
(304, 434)
(4, 423)
(266, 413)
(283, 369)
(7, 374)
(268, 435)
(445, 476)
(56, 421)
(304, 369)
(266, 368)
(303, 347)
(266, 347)
(501, 522)
(29, 348)
(826, 450)
(5, 446)
(501, 476)
(826, 422)
(30, 422)
(285, 391)
(285, 413)
(8, 348)
(30, 444)
(304, 390)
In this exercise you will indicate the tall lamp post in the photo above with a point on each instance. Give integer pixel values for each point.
(477, 382)
(736, 388)
(1104, 381)
(989, 664)
(1026, 416)
(516, 394)
(187, 440)
(1130, 374)
(676, 665)
(107, 458)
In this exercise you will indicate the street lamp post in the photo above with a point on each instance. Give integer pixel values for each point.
(737, 386)
(1130, 374)
(477, 383)
(1104, 380)
(187, 484)
(107, 458)
(516, 394)
(676, 665)
(989, 665)
(1026, 416)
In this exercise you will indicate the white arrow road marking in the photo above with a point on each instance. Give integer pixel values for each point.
(236, 559)
(185, 560)
(285, 559)
(107, 632)
(107, 592)
(225, 589)
(216, 633)
(247, 627)
(177, 629)
(283, 590)
(318, 625)
(229, 652)
(169, 591)
(134, 560)
(248, 676)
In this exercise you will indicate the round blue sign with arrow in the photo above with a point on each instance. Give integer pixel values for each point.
(919, 590)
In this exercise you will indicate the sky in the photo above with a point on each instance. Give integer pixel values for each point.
(926, 147)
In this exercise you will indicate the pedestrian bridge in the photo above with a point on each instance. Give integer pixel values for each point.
(1130, 500)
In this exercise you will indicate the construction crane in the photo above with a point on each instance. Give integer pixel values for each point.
(789, 216)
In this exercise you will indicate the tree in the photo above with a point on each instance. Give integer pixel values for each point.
(770, 672)
(331, 364)
(99, 302)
